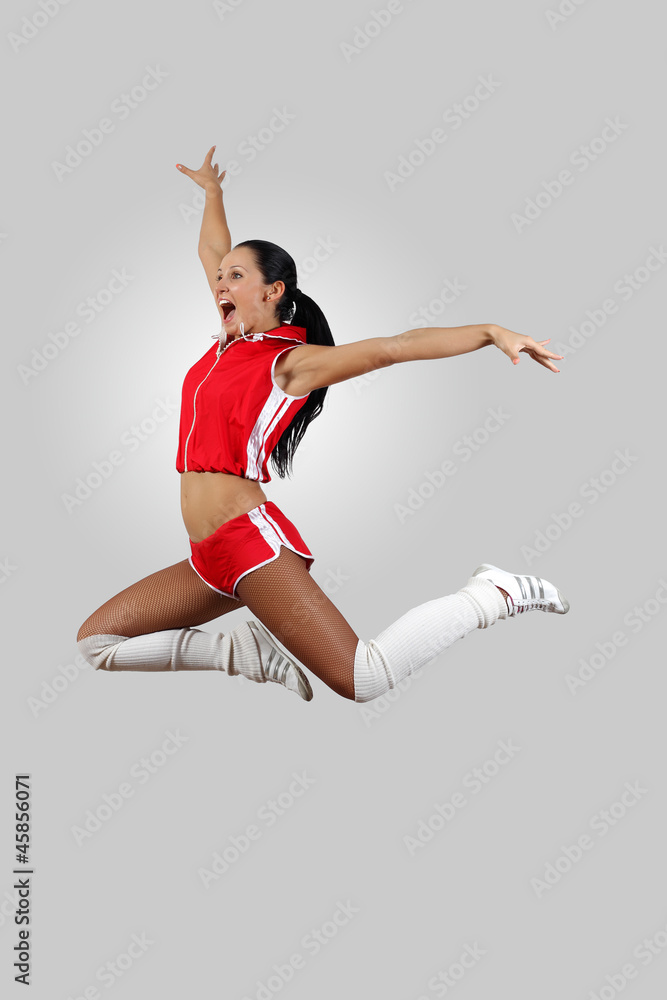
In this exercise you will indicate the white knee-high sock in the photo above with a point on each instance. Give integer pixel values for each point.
(235, 652)
(421, 634)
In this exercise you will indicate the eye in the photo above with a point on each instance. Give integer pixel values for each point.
(235, 274)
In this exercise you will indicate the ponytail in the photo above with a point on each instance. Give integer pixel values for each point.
(295, 309)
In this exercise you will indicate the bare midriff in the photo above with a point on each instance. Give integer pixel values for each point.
(209, 499)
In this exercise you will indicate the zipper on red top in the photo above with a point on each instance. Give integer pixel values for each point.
(221, 350)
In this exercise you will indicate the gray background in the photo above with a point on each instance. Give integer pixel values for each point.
(376, 771)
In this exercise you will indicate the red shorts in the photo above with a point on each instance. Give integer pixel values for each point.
(243, 544)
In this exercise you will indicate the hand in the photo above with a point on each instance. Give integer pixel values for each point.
(512, 344)
(207, 175)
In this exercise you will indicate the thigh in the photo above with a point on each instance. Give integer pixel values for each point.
(284, 597)
(175, 597)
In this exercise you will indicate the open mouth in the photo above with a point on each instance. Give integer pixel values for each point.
(228, 310)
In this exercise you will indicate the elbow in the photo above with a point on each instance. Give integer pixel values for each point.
(399, 348)
(391, 351)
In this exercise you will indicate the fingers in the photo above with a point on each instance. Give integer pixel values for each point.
(543, 359)
(537, 353)
(184, 170)
(538, 349)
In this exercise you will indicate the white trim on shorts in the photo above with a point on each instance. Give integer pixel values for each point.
(272, 534)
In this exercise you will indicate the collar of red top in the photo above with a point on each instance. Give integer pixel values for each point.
(286, 332)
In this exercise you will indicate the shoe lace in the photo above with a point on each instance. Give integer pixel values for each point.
(534, 603)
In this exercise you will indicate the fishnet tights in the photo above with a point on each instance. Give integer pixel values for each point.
(285, 598)
(174, 597)
(282, 595)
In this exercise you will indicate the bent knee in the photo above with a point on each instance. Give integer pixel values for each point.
(84, 631)
(96, 649)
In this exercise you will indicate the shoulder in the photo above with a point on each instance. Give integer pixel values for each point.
(286, 367)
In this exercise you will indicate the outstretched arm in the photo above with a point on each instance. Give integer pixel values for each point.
(215, 240)
(441, 342)
(312, 366)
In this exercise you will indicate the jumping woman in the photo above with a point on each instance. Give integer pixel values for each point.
(249, 399)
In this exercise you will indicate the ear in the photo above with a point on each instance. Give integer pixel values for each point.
(276, 290)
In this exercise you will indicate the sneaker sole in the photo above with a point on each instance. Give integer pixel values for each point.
(305, 691)
(561, 597)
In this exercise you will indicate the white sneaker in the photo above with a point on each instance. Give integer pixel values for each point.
(277, 666)
(526, 593)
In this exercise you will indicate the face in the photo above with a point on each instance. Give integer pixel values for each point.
(243, 296)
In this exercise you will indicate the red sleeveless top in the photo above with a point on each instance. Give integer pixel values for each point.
(232, 412)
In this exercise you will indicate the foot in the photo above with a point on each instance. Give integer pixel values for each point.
(524, 593)
(277, 666)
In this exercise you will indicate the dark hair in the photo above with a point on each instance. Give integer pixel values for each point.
(275, 264)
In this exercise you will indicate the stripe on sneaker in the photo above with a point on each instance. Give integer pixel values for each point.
(271, 665)
(519, 580)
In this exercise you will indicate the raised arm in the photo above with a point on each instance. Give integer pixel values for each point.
(312, 366)
(215, 240)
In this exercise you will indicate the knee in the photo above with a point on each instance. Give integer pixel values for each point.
(92, 626)
(118, 618)
(84, 631)
(96, 649)
(345, 688)
(372, 676)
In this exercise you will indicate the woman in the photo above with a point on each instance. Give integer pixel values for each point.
(251, 398)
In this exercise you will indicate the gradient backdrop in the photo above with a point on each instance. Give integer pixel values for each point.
(495, 828)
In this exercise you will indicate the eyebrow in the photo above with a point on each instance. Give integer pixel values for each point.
(233, 265)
